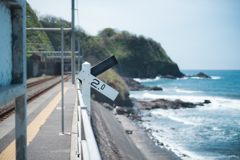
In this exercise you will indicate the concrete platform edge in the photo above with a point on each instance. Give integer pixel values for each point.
(74, 134)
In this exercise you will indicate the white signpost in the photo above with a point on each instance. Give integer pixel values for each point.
(98, 85)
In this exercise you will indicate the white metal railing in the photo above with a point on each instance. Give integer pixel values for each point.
(87, 145)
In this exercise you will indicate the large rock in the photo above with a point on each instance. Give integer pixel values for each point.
(165, 104)
(207, 101)
(202, 75)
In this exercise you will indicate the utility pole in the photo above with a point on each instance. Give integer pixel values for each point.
(73, 42)
(62, 74)
(79, 54)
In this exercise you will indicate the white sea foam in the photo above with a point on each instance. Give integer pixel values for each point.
(197, 78)
(183, 120)
(216, 129)
(191, 129)
(177, 148)
(178, 90)
(147, 79)
(187, 91)
(215, 77)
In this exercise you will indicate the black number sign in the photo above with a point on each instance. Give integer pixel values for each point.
(95, 83)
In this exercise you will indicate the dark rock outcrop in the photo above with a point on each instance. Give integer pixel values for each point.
(156, 88)
(202, 75)
(136, 86)
(165, 104)
(199, 75)
(128, 131)
(169, 77)
(207, 101)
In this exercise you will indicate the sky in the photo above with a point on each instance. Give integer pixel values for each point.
(196, 34)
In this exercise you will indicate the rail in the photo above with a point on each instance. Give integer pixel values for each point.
(9, 110)
(87, 145)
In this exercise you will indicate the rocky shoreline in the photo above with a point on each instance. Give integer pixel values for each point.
(137, 117)
(132, 118)
(158, 103)
(167, 104)
(136, 86)
(118, 137)
(199, 75)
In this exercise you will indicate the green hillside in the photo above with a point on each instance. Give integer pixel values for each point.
(36, 40)
(139, 57)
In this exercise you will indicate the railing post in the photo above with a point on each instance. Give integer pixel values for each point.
(87, 145)
(86, 91)
(62, 73)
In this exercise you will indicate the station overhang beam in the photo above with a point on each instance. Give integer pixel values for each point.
(48, 29)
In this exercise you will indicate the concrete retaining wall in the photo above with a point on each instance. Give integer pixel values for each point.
(5, 46)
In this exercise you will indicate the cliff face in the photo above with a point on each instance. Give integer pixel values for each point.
(139, 57)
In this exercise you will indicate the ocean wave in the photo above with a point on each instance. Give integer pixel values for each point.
(186, 91)
(171, 145)
(216, 129)
(182, 120)
(179, 130)
(234, 96)
(215, 77)
(197, 78)
(183, 78)
(146, 80)
(216, 102)
(175, 89)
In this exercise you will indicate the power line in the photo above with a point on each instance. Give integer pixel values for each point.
(77, 13)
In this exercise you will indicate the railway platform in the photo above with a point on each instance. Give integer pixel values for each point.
(44, 126)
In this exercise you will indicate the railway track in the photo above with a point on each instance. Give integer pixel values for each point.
(11, 109)
(32, 84)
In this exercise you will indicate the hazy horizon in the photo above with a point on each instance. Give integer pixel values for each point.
(196, 34)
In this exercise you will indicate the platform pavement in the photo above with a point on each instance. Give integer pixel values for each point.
(45, 138)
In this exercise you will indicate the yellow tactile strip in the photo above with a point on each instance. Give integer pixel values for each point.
(33, 128)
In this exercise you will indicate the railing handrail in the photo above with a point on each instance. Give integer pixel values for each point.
(87, 145)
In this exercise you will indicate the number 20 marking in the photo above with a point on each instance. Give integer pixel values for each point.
(97, 83)
(94, 83)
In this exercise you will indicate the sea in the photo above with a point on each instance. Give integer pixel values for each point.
(209, 132)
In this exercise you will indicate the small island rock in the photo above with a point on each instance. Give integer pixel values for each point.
(202, 75)
(207, 101)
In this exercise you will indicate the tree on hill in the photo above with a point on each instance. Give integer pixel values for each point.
(107, 32)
